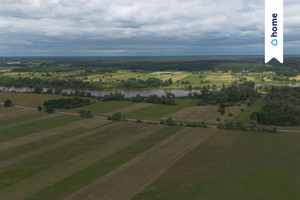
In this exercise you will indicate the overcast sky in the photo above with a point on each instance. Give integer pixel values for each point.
(139, 27)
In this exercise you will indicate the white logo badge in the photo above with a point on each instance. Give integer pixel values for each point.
(273, 30)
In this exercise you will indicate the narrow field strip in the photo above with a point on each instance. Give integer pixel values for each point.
(126, 181)
(44, 149)
(23, 120)
(80, 179)
(36, 126)
(34, 141)
(131, 108)
(53, 155)
(42, 180)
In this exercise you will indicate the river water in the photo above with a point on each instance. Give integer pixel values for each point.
(132, 92)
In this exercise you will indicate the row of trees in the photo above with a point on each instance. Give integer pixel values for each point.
(68, 103)
(50, 83)
(168, 99)
(227, 95)
(150, 82)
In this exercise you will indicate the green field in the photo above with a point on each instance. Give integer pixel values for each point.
(255, 166)
(158, 110)
(33, 127)
(105, 107)
(58, 156)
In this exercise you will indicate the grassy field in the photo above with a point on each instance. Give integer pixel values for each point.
(159, 110)
(255, 107)
(55, 156)
(251, 166)
(35, 126)
(27, 99)
(106, 107)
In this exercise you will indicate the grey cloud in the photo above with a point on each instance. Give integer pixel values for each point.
(136, 27)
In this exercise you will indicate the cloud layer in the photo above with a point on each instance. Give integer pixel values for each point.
(138, 27)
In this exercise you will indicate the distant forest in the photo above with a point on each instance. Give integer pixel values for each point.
(111, 64)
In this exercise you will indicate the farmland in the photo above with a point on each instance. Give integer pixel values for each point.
(114, 73)
(62, 156)
(231, 141)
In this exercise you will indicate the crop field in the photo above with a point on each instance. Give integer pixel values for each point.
(28, 99)
(205, 113)
(57, 156)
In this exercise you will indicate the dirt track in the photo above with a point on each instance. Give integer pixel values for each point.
(126, 181)
(42, 180)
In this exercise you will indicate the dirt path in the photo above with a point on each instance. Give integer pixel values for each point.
(53, 146)
(86, 123)
(129, 179)
(36, 118)
(37, 182)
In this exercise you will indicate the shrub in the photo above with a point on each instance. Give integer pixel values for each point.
(230, 114)
(49, 109)
(39, 108)
(116, 116)
(7, 103)
(86, 113)
(218, 119)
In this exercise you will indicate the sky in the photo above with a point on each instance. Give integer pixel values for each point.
(140, 27)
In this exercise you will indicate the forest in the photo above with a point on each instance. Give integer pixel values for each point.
(282, 107)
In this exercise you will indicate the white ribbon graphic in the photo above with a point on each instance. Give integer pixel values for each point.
(273, 30)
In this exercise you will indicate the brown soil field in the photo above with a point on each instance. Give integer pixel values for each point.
(126, 181)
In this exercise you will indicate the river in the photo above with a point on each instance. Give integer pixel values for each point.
(131, 92)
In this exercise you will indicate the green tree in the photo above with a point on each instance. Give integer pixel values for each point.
(170, 121)
(49, 109)
(7, 103)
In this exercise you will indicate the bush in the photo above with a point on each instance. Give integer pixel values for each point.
(139, 121)
(230, 114)
(116, 116)
(242, 110)
(39, 108)
(229, 124)
(86, 113)
(7, 103)
(170, 121)
(49, 109)
(218, 119)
